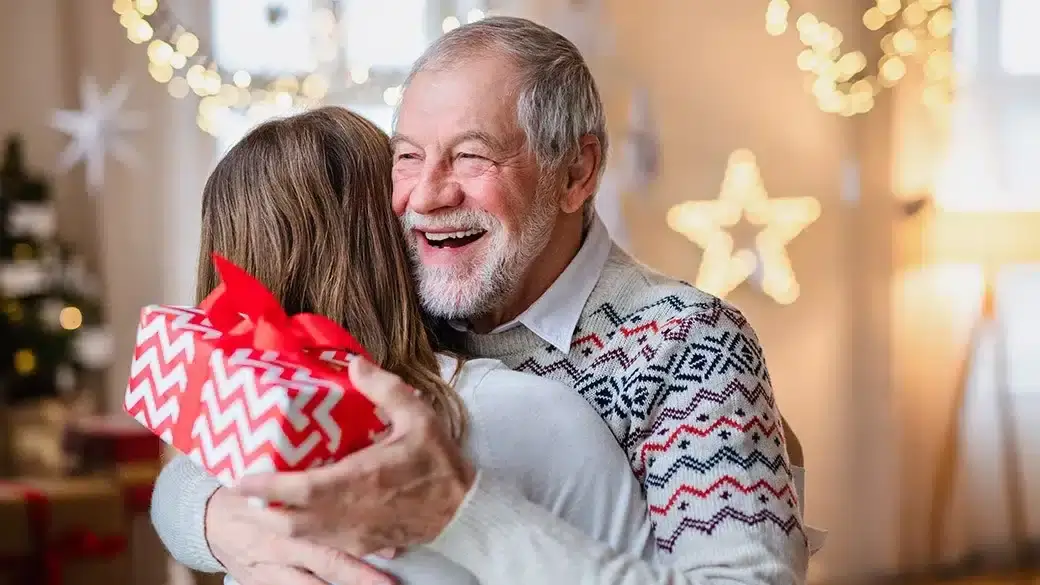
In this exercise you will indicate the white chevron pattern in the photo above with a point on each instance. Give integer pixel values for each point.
(165, 343)
(259, 411)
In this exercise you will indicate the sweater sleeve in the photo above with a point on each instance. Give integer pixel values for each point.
(710, 451)
(179, 513)
(711, 458)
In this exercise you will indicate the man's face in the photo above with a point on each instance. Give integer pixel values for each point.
(467, 188)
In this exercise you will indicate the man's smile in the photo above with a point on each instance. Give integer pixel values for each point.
(449, 247)
(451, 239)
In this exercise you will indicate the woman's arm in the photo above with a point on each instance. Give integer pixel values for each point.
(502, 538)
(179, 501)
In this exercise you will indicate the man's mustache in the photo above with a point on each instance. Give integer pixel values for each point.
(457, 218)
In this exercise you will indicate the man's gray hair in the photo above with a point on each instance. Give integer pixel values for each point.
(558, 102)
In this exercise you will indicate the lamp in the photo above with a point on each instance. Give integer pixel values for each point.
(991, 240)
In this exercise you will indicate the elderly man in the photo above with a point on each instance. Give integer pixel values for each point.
(499, 145)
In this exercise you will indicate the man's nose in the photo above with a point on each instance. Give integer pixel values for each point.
(436, 189)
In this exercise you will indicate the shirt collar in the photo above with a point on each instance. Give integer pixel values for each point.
(554, 316)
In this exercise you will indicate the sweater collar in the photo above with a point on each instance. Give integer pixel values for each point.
(555, 315)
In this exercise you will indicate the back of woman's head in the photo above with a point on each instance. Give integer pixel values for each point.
(303, 204)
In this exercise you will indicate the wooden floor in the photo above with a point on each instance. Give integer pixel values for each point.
(1021, 579)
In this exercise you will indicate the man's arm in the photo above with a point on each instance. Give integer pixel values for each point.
(714, 464)
(712, 461)
(179, 513)
(187, 499)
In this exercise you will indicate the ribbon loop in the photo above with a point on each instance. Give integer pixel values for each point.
(249, 315)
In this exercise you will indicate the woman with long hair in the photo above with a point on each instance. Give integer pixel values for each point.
(303, 204)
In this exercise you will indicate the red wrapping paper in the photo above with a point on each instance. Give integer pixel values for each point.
(49, 555)
(241, 387)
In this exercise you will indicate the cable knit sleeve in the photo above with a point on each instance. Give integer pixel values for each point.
(710, 451)
(179, 513)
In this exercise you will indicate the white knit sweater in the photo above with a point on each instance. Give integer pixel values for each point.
(535, 441)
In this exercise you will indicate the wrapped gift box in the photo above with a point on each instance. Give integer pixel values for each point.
(62, 532)
(35, 435)
(241, 387)
(148, 559)
(106, 442)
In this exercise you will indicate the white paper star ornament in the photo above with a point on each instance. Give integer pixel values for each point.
(98, 129)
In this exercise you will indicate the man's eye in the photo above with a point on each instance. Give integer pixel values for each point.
(406, 156)
(469, 156)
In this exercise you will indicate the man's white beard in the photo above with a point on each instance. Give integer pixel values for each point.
(468, 292)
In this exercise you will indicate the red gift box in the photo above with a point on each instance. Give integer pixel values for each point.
(61, 532)
(241, 387)
(106, 442)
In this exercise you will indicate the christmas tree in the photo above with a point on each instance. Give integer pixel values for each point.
(50, 314)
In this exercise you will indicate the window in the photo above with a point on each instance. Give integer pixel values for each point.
(262, 37)
(996, 121)
(1019, 43)
(374, 45)
(995, 143)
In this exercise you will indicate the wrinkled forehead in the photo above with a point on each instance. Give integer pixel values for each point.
(461, 95)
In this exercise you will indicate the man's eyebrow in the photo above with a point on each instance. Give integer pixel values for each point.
(398, 139)
(488, 140)
(480, 136)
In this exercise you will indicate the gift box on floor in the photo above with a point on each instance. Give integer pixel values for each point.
(62, 532)
(34, 430)
(148, 559)
(241, 387)
(106, 442)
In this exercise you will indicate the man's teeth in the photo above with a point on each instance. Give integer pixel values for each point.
(451, 235)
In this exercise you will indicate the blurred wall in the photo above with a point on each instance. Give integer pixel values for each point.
(140, 232)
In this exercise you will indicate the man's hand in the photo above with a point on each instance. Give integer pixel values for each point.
(254, 556)
(399, 492)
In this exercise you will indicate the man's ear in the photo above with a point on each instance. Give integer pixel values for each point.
(582, 174)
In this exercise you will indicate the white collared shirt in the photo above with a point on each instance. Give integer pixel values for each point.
(554, 316)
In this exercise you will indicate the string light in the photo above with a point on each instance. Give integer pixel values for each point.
(24, 362)
(743, 195)
(177, 59)
(14, 311)
(840, 80)
(22, 251)
(70, 318)
(449, 24)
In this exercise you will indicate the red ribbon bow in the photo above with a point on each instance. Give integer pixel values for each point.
(250, 316)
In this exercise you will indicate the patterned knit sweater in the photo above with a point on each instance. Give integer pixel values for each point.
(680, 379)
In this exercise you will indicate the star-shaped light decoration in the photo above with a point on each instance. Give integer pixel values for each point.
(97, 130)
(743, 195)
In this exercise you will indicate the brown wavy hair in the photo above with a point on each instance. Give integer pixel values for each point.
(303, 204)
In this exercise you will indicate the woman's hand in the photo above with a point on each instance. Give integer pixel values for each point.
(254, 555)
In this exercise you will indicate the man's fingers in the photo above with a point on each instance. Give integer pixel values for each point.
(389, 393)
(294, 488)
(335, 566)
(282, 522)
(271, 574)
